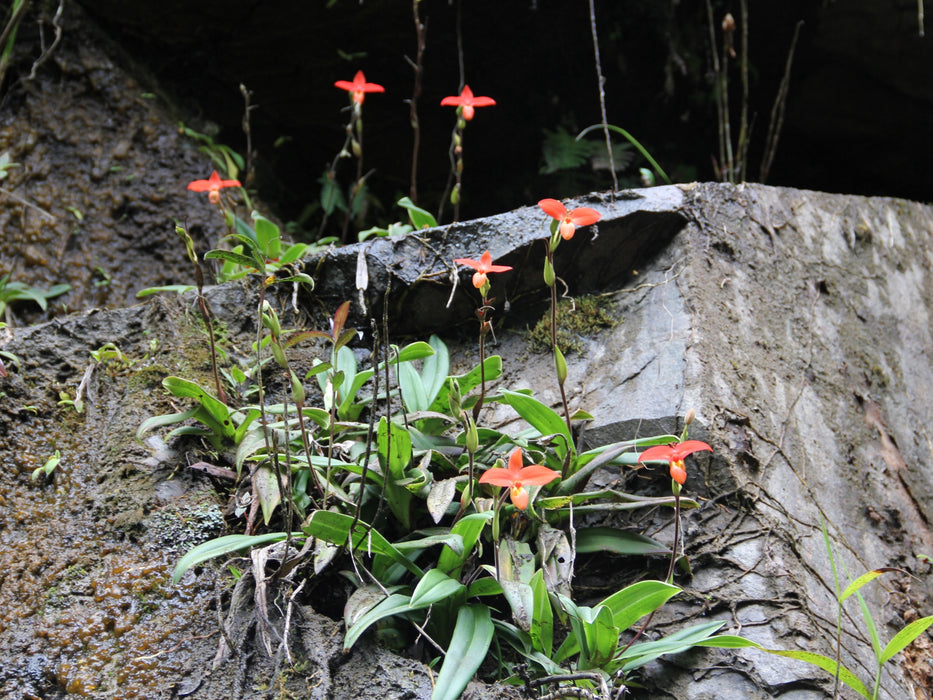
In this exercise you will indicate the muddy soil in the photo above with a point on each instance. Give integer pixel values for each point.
(100, 176)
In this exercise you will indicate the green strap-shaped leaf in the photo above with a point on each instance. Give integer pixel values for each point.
(163, 420)
(472, 636)
(217, 416)
(434, 372)
(542, 418)
(395, 604)
(395, 450)
(728, 641)
(221, 546)
(905, 637)
(828, 665)
(640, 599)
(412, 388)
(469, 528)
(638, 655)
(434, 587)
(865, 578)
(542, 619)
(335, 528)
(611, 539)
(230, 256)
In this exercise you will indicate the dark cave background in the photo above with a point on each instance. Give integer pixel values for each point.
(858, 108)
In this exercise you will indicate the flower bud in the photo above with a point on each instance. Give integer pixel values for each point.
(548, 273)
(472, 436)
(279, 354)
(298, 391)
(561, 365)
(453, 396)
(688, 419)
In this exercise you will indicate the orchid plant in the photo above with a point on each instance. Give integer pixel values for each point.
(358, 88)
(466, 104)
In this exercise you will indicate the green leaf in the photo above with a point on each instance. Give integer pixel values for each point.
(395, 604)
(863, 579)
(638, 655)
(521, 642)
(542, 418)
(219, 547)
(594, 637)
(434, 587)
(640, 599)
(267, 488)
(230, 256)
(828, 665)
(419, 217)
(413, 351)
(412, 389)
(484, 586)
(542, 618)
(615, 453)
(267, 236)
(468, 647)
(493, 370)
(435, 369)
(335, 528)
(469, 528)
(631, 139)
(216, 415)
(870, 625)
(293, 253)
(176, 288)
(455, 542)
(610, 539)
(907, 635)
(394, 447)
(165, 419)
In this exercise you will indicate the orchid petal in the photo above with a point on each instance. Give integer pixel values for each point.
(497, 476)
(553, 208)
(658, 452)
(584, 216)
(689, 447)
(538, 475)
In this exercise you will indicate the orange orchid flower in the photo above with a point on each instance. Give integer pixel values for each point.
(359, 87)
(569, 220)
(468, 102)
(212, 185)
(674, 455)
(517, 477)
(483, 267)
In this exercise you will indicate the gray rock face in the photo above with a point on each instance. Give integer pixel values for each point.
(796, 324)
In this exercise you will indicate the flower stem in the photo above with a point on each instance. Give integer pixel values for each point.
(554, 348)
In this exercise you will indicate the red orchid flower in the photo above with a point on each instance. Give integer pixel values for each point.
(674, 454)
(569, 220)
(359, 87)
(483, 267)
(213, 185)
(468, 102)
(516, 477)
